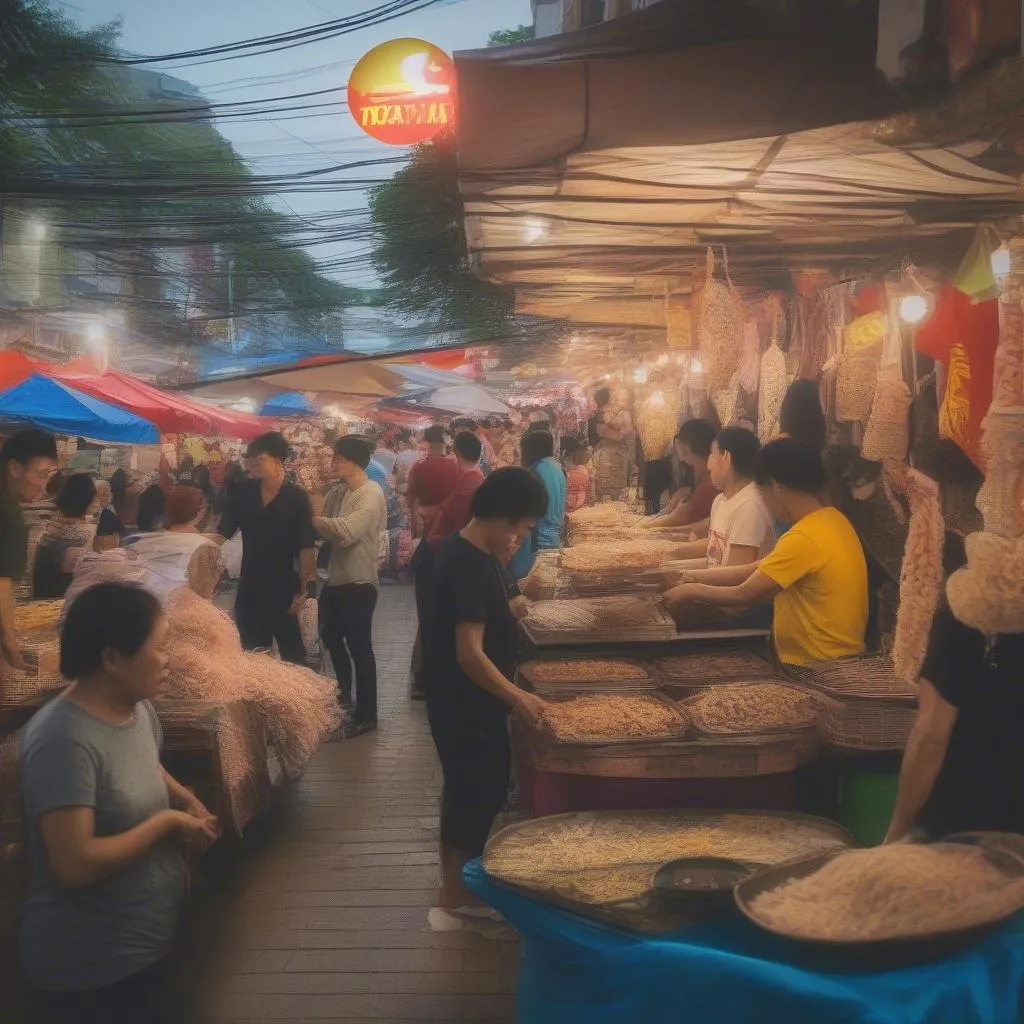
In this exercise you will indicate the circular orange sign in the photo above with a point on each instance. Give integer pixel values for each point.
(403, 92)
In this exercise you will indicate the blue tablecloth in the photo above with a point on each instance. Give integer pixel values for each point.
(574, 971)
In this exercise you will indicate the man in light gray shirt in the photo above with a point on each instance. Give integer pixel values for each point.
(354, 521)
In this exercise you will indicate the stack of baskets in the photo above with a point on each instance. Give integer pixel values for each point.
(865, 706)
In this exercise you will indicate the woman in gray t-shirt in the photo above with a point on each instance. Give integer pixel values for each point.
(104, 845)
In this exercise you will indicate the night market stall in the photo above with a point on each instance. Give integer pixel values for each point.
(725, 262)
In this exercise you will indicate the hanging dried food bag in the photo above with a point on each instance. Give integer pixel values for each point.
(774, 381)
(678, 321)
(887, 435)
(657, 422)
(856, 378)
(720, 328)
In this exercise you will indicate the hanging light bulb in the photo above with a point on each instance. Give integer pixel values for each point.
(640, 374)
(663, 359)
(658, 398)
(1000, 261)
(913, 309)
(696, 366)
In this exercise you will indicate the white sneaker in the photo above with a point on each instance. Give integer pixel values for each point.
(490, 926)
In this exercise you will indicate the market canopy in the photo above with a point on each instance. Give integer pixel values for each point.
(173, 413)
(289, 403)
(718, 140)
(41, 402)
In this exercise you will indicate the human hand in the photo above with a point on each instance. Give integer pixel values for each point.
(532, 710)
(679, 594)
(520, 607)
(12, 654)
(198, 833)
(196, 808)
(297, 604)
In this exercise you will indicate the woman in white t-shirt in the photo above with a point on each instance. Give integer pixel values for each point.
(740, 530)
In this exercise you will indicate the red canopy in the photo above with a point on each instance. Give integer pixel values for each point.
(15, 367)
(172, 413)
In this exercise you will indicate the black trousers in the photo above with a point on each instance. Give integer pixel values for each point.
(421, 566)
(137, 999)
(346, 625)
(473, 748)
(262, 621)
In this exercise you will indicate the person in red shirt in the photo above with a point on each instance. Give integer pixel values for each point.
(693, 507)
(454, 514)
(431, 481)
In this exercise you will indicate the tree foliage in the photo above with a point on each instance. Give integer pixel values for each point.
(420, 249)
(511, 36)
(65, 116)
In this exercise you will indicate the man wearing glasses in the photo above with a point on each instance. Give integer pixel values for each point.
(27, 460)
(278, 560)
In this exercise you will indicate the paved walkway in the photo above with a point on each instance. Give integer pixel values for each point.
(320, 913)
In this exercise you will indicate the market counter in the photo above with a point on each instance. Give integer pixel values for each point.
(573, 970)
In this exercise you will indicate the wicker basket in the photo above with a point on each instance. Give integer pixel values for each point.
(866, 678)
(812, 703)
(677, 733)
(17, 686)
(705, 758)
(850, 723)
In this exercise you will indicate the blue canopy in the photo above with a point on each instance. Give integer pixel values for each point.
(288, 403)
(49, 405)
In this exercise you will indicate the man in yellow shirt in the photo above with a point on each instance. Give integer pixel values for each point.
(816, 577)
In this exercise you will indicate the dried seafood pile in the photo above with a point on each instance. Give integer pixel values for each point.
(576, 676)
(607, 514)
(618, 556)
(892, 892)
(598, 857)
(594, 614)
(752, 709)
(605, 718)
(715, 667)
(206, 662)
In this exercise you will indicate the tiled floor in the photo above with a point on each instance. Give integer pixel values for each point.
(320, 913)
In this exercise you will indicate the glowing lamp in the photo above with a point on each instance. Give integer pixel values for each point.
(1000, 261)
(534, 229)
(696, 366)
(640, 375)
(913, 309)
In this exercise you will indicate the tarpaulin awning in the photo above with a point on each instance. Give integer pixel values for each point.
(344, 378)
(678, 73)
(289, 403)
(51, 405)
(171, 412)
(597, 167)
(15, 367)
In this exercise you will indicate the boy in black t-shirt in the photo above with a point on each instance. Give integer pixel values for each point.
(470, 642)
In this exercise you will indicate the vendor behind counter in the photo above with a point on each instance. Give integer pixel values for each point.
(816, 577)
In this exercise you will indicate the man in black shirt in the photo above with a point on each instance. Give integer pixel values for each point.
(963, 770)
(27, 460)
(470, 643)
(277, 533)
